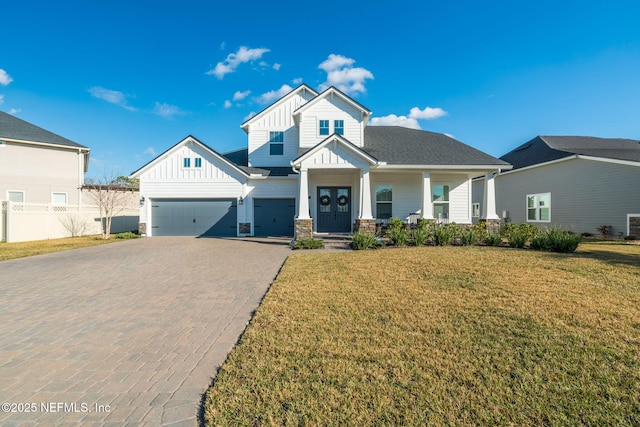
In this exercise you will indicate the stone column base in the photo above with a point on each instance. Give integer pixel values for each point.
(493, 225)
(365, 225)
(304, 229)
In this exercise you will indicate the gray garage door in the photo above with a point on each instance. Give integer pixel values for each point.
(194, 217)
(273, 217)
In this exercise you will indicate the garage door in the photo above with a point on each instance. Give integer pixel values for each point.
(273, 217)
(194, 217)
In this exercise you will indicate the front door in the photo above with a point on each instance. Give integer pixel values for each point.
(334, 209)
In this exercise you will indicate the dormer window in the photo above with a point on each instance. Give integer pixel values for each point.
(276, 143)
(324, 127)
(338, 127)
(186, 162)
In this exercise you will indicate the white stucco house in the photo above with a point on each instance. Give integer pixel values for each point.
(312, 165)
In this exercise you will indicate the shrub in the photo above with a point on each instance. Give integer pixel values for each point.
(308, 243)
(361, 240)
(557, 240)
(127, 235)
(444, 234)
(493, 239)
(397, 232)
(604, 230)
(519, 235)
(629, 238)
(419, 236)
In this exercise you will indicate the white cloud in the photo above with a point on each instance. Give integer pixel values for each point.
(277, 66)
(166, 110)
(410, 121)
(297, 81)
(393, 120)
(5, 78)
(150, 151)
(111, 96)
(15, 111)
(227, 104)
(342, 74)
(233, 60)
(1, 99)
(248, 116)
(271, 96)
(239, 96)
(428, 113)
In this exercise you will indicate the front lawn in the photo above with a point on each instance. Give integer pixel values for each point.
(441, 336)
(23, 249)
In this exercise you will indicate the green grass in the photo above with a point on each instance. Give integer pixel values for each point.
(441, 336)
(24, 249)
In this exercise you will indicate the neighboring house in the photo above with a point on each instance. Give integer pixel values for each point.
(38, 166)
(576, 182)
(312, 165)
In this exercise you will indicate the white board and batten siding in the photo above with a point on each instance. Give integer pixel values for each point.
(585, 193)
(168, 178)
(330, 108)
(407, 193)
(277, 118)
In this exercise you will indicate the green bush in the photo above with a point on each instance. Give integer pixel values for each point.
(493, 239)
(127, 235)
(519, 235)
(361, 240)
(397, 232)
(557, 240)
(422, 232)
(308, 243)
(469, 237)
(443, 234)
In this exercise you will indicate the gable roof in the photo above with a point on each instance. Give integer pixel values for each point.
(18, 130)
(306, 153)
(397, 145)
(302, 87)
(333, 91)
(184, 141)
(542, 149)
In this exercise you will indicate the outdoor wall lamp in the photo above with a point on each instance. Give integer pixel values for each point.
(240, 200)
(142, 201)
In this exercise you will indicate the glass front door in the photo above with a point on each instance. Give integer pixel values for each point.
(334, 209)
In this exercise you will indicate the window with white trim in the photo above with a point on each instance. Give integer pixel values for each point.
(58, 198)
(186, 162)
(338, 127)
(440, 201)
(276, 143)
(475, 210)
(384, 201)
(323, 127)
(15, 196)
(198, 162)
(539, 207)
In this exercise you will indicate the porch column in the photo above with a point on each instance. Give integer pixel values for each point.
(303, 194)
(365, 195)
(427, 205)
(489, 199)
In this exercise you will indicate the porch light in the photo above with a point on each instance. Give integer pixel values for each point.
(240, 200)
(141, 201)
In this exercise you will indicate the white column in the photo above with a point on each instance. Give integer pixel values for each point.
(489, 199)
(365, 195)
(427, 205)
(303, 194)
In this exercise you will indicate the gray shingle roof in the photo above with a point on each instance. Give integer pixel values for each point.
(402, 146)
(14, 128)
(543, 149)
(240, 158)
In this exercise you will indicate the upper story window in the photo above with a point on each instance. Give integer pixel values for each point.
(16, 196)
(324, 127)
(186, 162)
(58, 198)
(338, 127)
(276, 143)
(539, 207)
(198, 162)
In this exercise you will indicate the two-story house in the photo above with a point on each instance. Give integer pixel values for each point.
(312, 165)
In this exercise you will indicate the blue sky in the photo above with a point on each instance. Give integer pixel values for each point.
(131, 78)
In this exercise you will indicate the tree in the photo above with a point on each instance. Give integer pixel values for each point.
(111, 196)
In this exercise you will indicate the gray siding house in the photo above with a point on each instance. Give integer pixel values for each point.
(576, 182)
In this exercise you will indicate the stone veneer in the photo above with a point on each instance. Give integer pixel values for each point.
(634, 226)
(142, 228)
(304, 229)
(365, 225)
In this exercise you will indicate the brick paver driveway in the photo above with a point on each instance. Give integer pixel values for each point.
(129, 333)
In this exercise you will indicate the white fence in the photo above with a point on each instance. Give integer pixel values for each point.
(21, 222)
